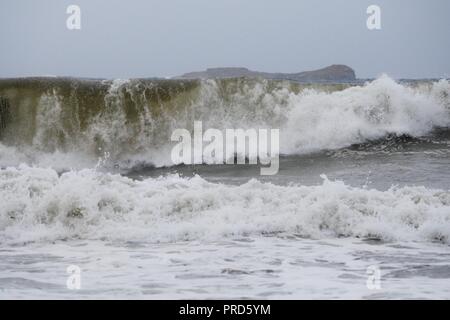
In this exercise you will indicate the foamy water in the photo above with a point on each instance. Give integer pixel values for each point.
(237, 268)
(40, 205)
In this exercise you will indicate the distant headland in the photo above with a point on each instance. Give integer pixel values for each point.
(331, 73)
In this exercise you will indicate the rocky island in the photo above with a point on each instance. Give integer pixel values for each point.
(332, 73)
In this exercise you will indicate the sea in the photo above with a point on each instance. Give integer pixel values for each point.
(93, 207)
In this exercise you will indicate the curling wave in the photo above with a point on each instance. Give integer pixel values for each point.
(71, 123)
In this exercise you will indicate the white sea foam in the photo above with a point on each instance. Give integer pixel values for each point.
(319, 120)
(39, 205)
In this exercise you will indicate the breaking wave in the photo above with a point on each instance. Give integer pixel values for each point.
(71, 123)
(41, 205)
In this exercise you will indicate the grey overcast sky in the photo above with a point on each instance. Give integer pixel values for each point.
(145, 38)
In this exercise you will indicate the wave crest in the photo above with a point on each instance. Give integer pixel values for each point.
(131, 120)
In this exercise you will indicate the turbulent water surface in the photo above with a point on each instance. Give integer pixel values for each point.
(87, 179)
